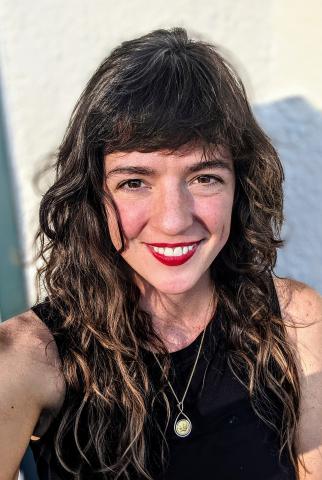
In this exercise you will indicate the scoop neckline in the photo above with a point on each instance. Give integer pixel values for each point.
(188, 352)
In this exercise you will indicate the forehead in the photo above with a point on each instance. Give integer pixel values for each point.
(160, 158)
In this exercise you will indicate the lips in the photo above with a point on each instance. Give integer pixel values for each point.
(173, 245)
(173, 261)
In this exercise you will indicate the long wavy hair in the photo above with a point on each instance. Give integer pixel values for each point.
(161, 91)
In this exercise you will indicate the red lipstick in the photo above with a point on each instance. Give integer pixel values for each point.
(173, 245)
(173, 261)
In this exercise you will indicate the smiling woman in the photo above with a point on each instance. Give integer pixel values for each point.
(172, 207)
(165, 347)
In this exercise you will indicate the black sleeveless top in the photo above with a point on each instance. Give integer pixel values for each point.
(228, 440)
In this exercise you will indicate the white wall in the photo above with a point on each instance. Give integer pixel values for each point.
(50, 48)
(296, 64)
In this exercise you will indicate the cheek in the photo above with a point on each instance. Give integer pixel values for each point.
(132, 220)
(216, 214)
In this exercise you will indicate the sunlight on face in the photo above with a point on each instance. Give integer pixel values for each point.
(171, 198)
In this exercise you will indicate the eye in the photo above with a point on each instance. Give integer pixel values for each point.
(211, 180)
(132, 182)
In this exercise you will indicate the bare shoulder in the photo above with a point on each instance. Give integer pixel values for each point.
(301, 308)
(31, 385)
(294, 293)
(27, 343)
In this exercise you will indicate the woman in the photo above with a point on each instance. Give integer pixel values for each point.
(165, 347)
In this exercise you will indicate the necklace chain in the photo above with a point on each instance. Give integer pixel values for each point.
(183, 427)
(180, 403)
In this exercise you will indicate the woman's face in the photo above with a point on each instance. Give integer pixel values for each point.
(171, 199)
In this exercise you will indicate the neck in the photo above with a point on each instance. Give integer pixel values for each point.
(179, 319)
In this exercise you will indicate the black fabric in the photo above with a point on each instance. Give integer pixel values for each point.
(228, 441)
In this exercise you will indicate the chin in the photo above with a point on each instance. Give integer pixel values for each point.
(170, 283)
(175, 287)
(173, 291)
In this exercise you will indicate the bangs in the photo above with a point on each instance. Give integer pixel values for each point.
(165, 97)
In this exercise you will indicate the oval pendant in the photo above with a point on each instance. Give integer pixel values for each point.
(183, 426)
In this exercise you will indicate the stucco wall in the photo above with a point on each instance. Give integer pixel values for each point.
(50, 48)
(295, 127)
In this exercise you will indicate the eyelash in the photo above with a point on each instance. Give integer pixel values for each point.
(218, 180)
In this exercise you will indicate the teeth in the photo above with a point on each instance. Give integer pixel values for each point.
(174, 252)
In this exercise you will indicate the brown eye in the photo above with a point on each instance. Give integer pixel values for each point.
(210, 180)
(130, 184)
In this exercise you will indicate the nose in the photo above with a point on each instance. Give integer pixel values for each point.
(172, 210)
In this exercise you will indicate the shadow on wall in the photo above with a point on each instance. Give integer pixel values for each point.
(295, 127)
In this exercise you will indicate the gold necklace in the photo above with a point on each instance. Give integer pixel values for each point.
(182, 424)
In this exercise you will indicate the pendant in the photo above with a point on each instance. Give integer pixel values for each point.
(183, 426)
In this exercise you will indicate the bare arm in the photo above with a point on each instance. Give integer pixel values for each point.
(30, 381)
(303, 305)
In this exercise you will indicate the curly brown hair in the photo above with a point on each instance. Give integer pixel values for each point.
(160, 91)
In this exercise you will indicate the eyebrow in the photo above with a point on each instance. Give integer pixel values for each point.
(148, 171)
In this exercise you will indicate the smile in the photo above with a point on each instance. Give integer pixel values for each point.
(173, 256)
